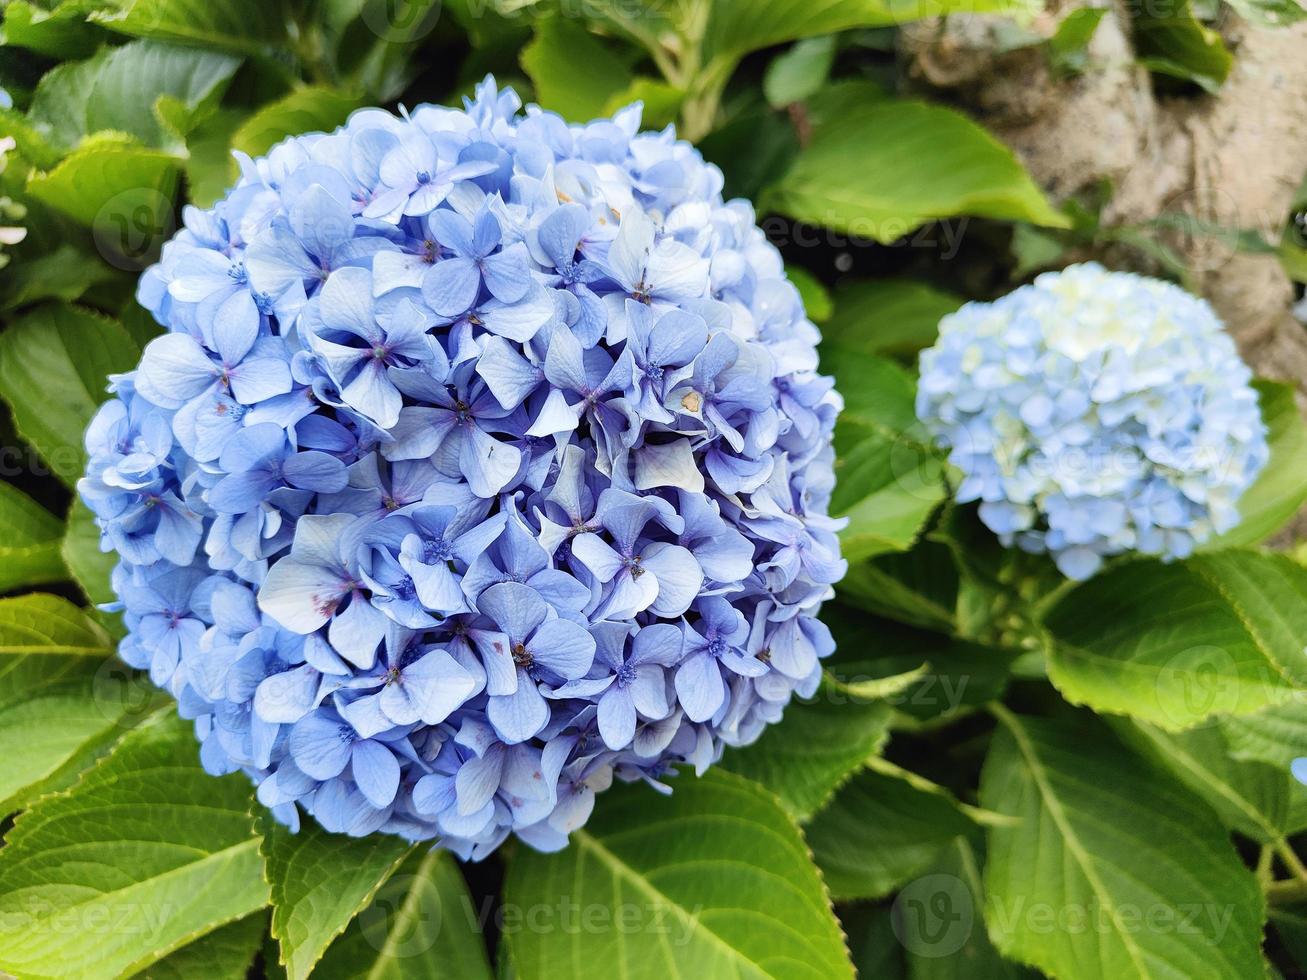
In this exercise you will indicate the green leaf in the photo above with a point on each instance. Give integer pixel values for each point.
(57, 713)
(1250, 797)
(90, 567)
(54, 364)
(887, 316)
(1140, 873)
(1270, 13)
(886, 167)
(29, 541)
(120, 89)
(306, 110)
(814, 748)
(918, 587)
(960, 673)
(1174, 644)
(816, 297)
(574, 72)
(1282, 487)
(711, 881)
(1171, 41)
(879, 831)
(1277, 734)
(319, 882)
(242, 26)
(661, 101)
(64, 274)
(889, 480)
(737, 27)
(799, 72)
(145, 854)
(876, 951)
(422, 925)
(47, 624)
(60, 32)
(1068, 47)
(123, 191)
(939, 919)
(224, 954)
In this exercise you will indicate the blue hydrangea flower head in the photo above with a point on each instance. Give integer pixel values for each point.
(484, 461)
(1094, 413)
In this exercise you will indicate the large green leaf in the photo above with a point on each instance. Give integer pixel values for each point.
(1138, 877)
(310, 109)
(1282, 487)
(422, 925)
(814, 748)
(959, 673)
(1175, 644)
(918, 587)
(887, 316)
(59, 32)
(29, 541)
(224, 954)
(54, 364)
(319, 882)
(711, 881)
(145, 854)
(57, 712)
(48, 625)
(121, 190)
(939, 920)
(245, 26)
(880, 169)
(881, 830)
(1277, 734)
(1250, 797)
(574, 72)
(888, 480)
(1172, 41)
(125, 89)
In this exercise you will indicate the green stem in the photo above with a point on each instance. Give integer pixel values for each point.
(1291, 861)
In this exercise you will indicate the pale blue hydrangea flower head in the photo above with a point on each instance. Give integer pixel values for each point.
(1094, 413)
(485, 460)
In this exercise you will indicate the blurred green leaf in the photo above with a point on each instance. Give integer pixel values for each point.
(887, 316)
(306, 110)
(1282, 486)
(816, 297)
(575, 74)
(1068, 48)
(888, 481)
(242, 26)
(122, 89)
(53, 366)
(1171, 41)
(800, 72)
(887, 167)
(59, 31)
